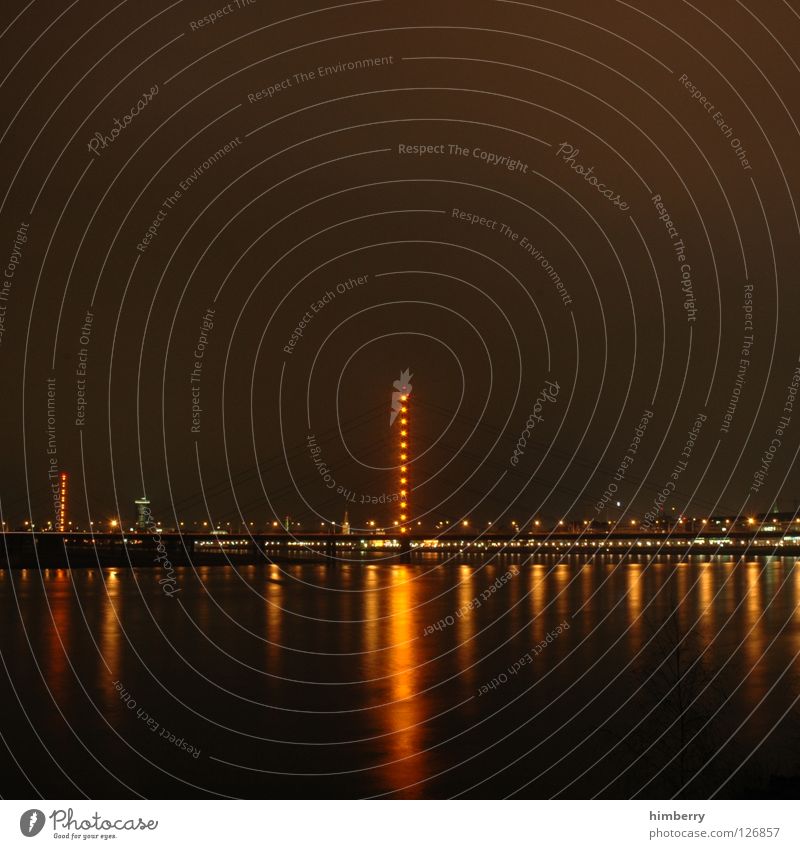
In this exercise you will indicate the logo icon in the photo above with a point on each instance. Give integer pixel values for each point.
(402, 389)
(31, 822)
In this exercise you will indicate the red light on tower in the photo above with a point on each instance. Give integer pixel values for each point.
(62, 503)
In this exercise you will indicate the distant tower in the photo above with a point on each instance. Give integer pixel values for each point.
(345, 523)
(62, 503)
(401, 406)
(143, 515)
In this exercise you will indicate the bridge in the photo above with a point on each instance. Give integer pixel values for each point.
(41, 549)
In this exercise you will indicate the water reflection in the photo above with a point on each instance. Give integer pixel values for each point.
(753, 620)
(634, 597)
(587, 601)
(796, 574)
(110, 654)
(273, 609)
(405, 716)
(706, 592)
(465, 625)
(58, 629)
(359, 629)
(373, 665)
(563, 576)
(538, 592)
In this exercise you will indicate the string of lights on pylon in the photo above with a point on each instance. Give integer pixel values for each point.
(62, 502)
(401, 402)
(404, 449)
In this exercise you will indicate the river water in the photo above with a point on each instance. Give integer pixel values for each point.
(422, 679)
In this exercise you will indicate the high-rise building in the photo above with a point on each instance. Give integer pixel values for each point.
(143, 516)
(346, 523)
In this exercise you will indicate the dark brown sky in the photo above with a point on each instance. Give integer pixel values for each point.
(317, 191)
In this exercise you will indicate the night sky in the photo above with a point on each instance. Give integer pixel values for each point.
(599, 195)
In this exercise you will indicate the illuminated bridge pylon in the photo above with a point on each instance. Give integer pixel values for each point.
(401, 409)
